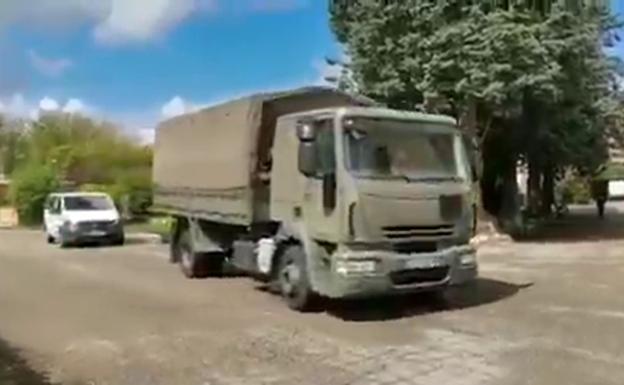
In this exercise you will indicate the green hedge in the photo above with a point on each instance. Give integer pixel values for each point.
(29, 188)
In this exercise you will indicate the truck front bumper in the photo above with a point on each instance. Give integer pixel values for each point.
(379, 272)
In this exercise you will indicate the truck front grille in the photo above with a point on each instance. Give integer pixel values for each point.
(397, 232)
(415, 276)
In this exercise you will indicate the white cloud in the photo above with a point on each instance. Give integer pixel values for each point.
(49, 66)
(113, 21)
(134, 20)
(48, 104)
(17, 107)
(74, 106)
(177, 106)
(125, 21)
(52, 13)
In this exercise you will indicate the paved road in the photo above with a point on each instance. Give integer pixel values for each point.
(541, 314)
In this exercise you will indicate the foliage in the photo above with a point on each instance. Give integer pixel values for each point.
(576, 190)
(529, 79)
(92, 155)
(30, 186)
(85, 151)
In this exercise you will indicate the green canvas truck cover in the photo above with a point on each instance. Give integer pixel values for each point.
(208, 163)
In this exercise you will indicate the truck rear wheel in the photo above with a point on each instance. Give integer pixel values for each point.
(194, 264)
(293, 279)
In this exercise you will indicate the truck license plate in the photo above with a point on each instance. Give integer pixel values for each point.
(424, 263)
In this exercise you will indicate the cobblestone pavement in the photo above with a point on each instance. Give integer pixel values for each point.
(540, 314)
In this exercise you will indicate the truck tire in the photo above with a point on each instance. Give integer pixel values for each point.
(292, 277)
(194, 264)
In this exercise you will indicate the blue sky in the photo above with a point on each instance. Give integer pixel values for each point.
(136, 62)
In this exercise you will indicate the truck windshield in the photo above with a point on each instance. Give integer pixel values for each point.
(413, 151)
(87, 203)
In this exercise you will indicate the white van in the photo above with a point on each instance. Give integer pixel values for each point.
(73, 218)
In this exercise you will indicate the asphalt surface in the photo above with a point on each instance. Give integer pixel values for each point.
(540, 314)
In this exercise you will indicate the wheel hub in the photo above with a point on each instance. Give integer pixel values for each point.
(291, 275)
(186, 258)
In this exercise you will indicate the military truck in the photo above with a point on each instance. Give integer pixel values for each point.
(318, 193)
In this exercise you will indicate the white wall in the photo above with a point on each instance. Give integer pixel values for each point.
(616, 189)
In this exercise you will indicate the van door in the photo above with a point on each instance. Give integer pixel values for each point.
(53, 216)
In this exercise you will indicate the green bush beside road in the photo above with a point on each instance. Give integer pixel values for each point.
(29, 189)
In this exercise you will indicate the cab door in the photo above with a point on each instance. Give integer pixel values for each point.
(320, 198)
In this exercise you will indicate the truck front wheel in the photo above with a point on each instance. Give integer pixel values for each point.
(293, 279)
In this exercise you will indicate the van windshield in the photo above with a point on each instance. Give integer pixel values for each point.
(413, 151)
(87, 203)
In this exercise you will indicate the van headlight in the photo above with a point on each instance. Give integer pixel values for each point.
(72, 226)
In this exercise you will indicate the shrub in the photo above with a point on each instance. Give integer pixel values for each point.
(114, 191)
(576, 190)
(29, 188)
(132, 197)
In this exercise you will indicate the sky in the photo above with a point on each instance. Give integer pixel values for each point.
(137, 62)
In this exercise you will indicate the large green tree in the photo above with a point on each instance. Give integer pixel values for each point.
(528, 78)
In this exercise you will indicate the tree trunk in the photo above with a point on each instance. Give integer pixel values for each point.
(534, 186)
(509, 206)
(548, 191)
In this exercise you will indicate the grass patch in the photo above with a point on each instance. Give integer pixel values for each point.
(154, 225)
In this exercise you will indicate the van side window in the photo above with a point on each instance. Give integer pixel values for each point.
(325, 148)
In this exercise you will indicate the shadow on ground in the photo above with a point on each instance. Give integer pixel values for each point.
(483, 291)
(582, 224)
(15, 370)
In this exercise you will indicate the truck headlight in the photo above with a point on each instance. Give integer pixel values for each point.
(347, 267)
(468, 259)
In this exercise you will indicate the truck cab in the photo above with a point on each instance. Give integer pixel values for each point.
(380, 201)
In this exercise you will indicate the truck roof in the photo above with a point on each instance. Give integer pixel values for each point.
(378, 112)
(280, 95)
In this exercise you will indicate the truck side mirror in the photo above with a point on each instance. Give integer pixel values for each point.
(329, 191)
(306, 131)
(307, 158)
